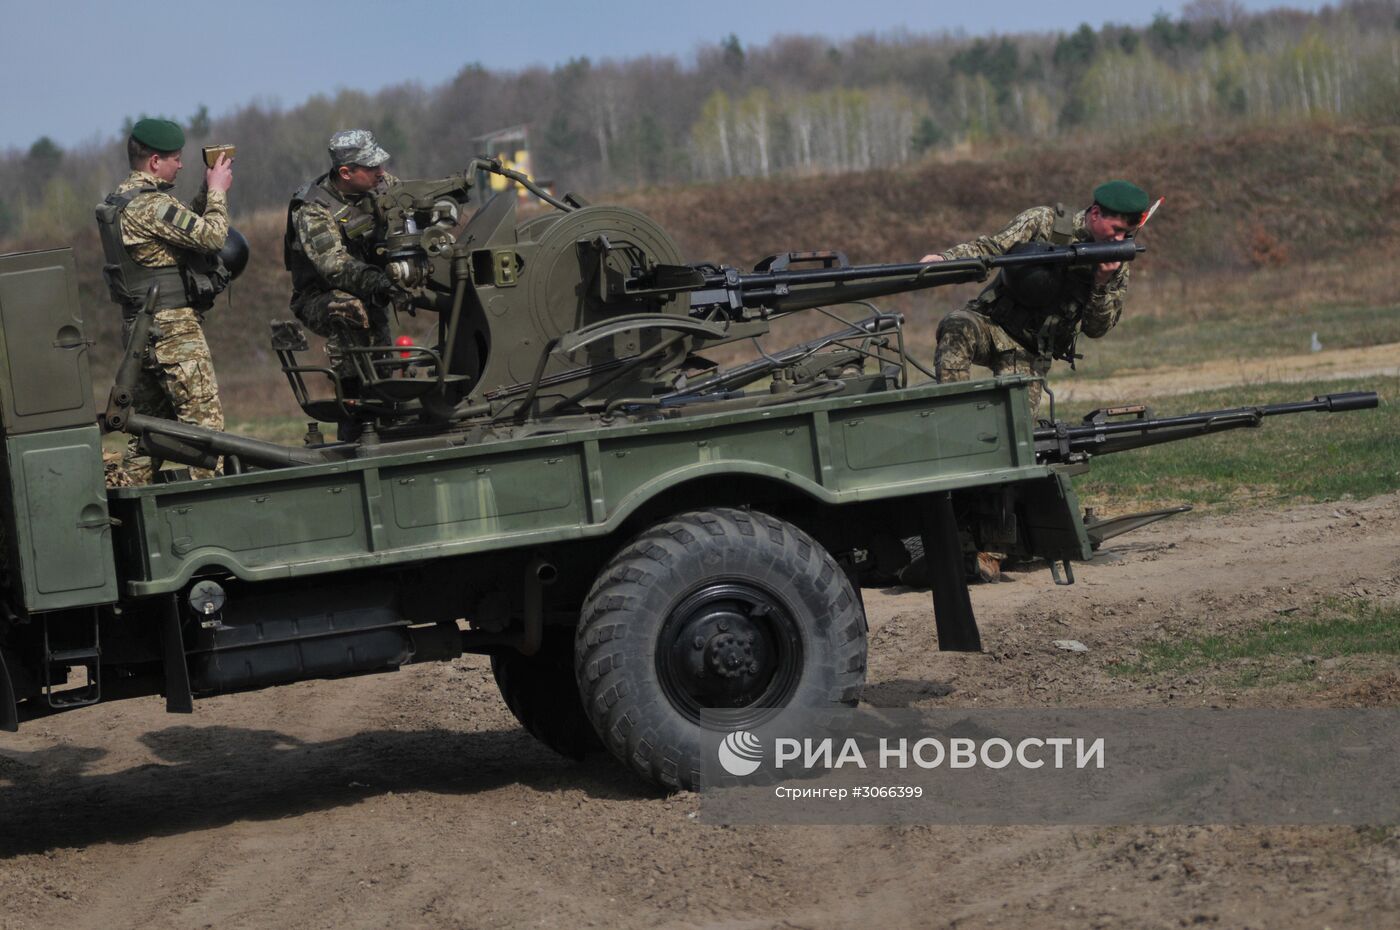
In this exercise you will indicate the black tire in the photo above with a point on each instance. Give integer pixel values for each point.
(725, 611)
(542, 693)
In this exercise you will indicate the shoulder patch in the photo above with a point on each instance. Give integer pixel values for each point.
(179, 217)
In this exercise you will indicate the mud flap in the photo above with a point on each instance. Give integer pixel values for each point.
(9, 710)
(952, 605)
(179, 699)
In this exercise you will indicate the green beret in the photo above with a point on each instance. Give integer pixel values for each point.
(159, 134)
(1121, 197)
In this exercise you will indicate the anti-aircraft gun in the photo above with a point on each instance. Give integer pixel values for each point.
(640, 540)
(584, 314)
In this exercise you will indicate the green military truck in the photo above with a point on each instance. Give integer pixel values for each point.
(562, 482)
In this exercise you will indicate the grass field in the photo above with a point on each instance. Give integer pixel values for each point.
(1335, 629)
(1304, 457)
(1142, 342)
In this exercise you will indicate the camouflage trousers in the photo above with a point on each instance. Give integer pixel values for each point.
(176, 382)
(343, 320)
(967, 338)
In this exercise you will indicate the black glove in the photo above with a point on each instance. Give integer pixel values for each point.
(383, 293)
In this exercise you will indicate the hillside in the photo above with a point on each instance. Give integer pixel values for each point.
(1295, 215)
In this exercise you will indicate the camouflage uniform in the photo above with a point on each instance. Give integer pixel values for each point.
(177, 379)
(336, 293)
(997, 331)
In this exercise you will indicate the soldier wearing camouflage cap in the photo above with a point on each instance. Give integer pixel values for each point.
(150, 237)
(337, 292)
(1020, 324)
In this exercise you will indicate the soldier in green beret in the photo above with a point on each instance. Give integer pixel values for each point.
(1021, 323)
(149, 236)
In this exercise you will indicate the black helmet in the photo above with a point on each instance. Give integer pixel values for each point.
(234, 254)
(1034, 286)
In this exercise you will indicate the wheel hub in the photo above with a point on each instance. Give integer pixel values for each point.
(730, 655)
(728, 646)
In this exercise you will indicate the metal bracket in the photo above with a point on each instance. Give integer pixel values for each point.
(1067, 578)
(179, 699)
(952, 605)
(9, 710)
(89, 657)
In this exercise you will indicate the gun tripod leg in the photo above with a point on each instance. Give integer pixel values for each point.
(952, 605)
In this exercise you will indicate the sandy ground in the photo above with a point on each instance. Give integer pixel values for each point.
(412, 799)
(1329, 364)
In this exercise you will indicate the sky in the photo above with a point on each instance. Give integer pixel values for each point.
(73, 70)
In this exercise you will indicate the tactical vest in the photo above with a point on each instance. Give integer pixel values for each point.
(1049, 326)
(194, 281)
(354, 225)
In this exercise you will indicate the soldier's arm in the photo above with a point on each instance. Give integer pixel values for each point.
(1035, 223)
(319, 237)
(1105, 305)
(162, 216)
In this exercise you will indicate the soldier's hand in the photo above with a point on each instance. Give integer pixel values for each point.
(1105, 271)
(383, 292)
(934, 257)
(349, 313)
(220, 177)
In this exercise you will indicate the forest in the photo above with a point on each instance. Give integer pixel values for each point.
(795, 107)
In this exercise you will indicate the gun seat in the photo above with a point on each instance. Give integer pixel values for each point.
(385, 386)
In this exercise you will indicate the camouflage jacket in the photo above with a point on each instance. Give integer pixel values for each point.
(157, 227)
(1087, 308)
(325, 248)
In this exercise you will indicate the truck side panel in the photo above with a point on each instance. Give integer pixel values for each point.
(43, 349)
(411, 507)
(57, 535)
(62, 537)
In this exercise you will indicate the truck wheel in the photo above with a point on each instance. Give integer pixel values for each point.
(722, 611)
(541, 692)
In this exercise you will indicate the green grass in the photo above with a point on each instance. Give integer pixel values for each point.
(1139, 342)
(1330, 630)
(1301, 457)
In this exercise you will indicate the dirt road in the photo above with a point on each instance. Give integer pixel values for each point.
(413, 800)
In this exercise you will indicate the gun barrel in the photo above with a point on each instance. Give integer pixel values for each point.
(786, 290)
(123, 391)
(749, 372)
(202, 441)
(1098, 437)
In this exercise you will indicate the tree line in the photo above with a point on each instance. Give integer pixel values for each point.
(796, 106)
